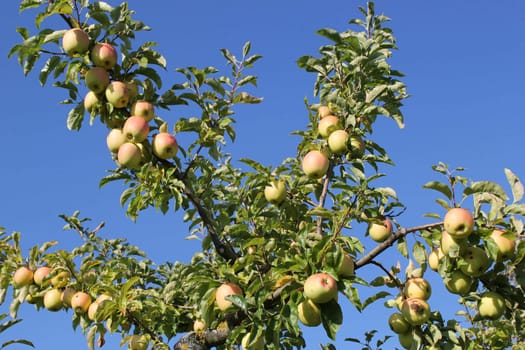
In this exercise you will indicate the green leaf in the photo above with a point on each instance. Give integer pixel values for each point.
(486, 187)
(331, 34)
(515, 185)
(75, 117)
(50, 66)
(419, 253)
(332, 317)
(440, 187)
(518, 209)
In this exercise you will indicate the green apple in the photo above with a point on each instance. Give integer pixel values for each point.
(104, 55)
(406, 339)
(129, 155)
(309, 313)
(315, 164)
(398, 324)
(434, 258)
(53, 300)
(22, 277)
(80, 302)
(223, 291)
(67, 295)
(143, 109)
(458, 283)
(337, 141)
(357, 146)
(90, 101)
(40, 274)
(459, 223)
(451, 246)
(248, 343)
(320, 288)
(505, 245)
(164, 145)
(327, 125)
(117, 94)
(346, 268)
(135, 129)
(138, 342)
(418, 287)
(75, 42)
(96, 79)
(416, 311)
(380, 231)
(115, 139)
(61, 279)
(474, 261)
(491, 305)
(275, 192)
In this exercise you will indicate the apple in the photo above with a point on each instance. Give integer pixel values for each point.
(104, 55)
(458, 283)
(248, 343)
(320, 288)
(135, 129)
(117, 94)
(129, 155)
(398, 324)
(406, 340)
(75, 42)
(61, 279)
(33, 298)
(22, 277)
(223, 291)
(459, 223)
(97, 79)
(451, 246)
(53, 300)
(80, 302)
(491, 305)
(380, 231)
(164, 145)
(357, 146)
(309, 313)
(434, 258)
(92, 311)
(90, 101)
(199, 326)
(115, 139)
(138, 342)
(416, 311)
(327, 125)
(143, 109)
(275, 192)
(505, 245)
(40, 275)
(323, 111)
(337, 141)
(346, 268)
(315, 164)
(67, 295)
(400, 298)
(418, 287)
(474, 261)
(145, 152)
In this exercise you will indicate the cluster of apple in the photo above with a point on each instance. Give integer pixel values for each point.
(129, 143)
(315, 163)
(413, 309)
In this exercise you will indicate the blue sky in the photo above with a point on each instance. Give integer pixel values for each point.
(464, 70)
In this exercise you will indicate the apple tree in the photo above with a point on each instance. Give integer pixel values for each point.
(281, 243)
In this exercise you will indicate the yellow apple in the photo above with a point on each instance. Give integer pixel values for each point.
(223, 291)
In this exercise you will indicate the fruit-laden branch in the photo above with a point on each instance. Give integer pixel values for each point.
(402, 232)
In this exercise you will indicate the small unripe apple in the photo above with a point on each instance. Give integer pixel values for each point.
(80, 302)
(164, 145)
(459, 223)
(337, 141)
(418, 287)
(398, 324)
(143, 109)
(115, 139)
(75, 42)
(474, 261)
(258, 344)
(452, 247)
(357, 146)
(53, 300)
(223, 291)
(434, 258)
(320, 288)
(22, 277)
(406, 339)
(327, 125)
(505, 245)
(138, 342)
(416, 311)
(117, 94)
(97, 79)
(129, 155)
(309, 313)
(346, 268)
(104, 55)
(275, 192)
(61, 279)
(67, 295)
(323, 111)
(491, 305)
(458, 283)
(90, 101)
(40, 274)
(135, 129)
(315, 164)
(380, 231)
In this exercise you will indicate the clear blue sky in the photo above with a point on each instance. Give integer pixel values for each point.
(464, 69)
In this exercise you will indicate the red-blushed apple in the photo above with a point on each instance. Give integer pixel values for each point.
(129, 155)
(97, 79)
(164, 145)
(60, 279)
(416, 311)
(458, 283)
(459, 223)
(491, 305)
(346, 268)
(327, 125)
(135, 129)
(275, 192)
(90, 101)
(115, 139)
(320, 288)
(504, 243)
(138, 342)
(143, 109)
(253, 344)
(380, 231)
(117, 94)
(199, 326)
(398, 324)
(53, 300)
(40, 274)
(309, 313)
(223, 291)
(323, 111)
(67, 295)
(75, 42)
(434, 258)
(104, 55)
(418, 287)
(22, 277)
(406, 340)
(315, 164)
(357, 146)
(474, 261)
(451, 246)
(337, 141)
(80, 302)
